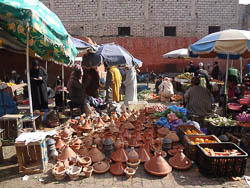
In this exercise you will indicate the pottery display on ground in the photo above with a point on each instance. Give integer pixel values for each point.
(74, 172)
(180, 161)
(101, 167)
(95, 154)
(87, 170)
(157, 165)
(129, 172)
(117, 169)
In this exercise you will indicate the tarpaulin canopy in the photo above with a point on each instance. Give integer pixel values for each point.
(180, 53)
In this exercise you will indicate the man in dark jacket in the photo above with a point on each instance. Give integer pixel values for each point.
(158, 82)
(216, 71)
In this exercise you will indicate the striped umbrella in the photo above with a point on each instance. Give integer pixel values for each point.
(228, 44)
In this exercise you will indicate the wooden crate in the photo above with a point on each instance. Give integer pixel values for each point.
(182, 128)
(32, 158)
(12, 124)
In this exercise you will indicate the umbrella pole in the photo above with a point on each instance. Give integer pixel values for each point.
(46, 66)
(28, 78)
(63, 85)
(226, 75)
(240, 70)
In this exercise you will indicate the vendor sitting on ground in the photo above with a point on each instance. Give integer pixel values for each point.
(166, 90)
(197, 99)
(7, 104)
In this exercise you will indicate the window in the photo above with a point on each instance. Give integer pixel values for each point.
(213, 29)
(169, 31)
(124, 31)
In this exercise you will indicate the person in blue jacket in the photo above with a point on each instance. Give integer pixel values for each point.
(7, 104)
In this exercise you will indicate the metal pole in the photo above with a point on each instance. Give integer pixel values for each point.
(46, 66)
(63, 85)
(226, 74)
(232, 63)
(240, 70)
(28, 77)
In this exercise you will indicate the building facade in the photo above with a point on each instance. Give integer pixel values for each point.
(146, 18)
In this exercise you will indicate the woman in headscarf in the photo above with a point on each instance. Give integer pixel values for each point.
(130, 85)
(166, 90)
(77, 88)
(38, 78)
(113, 81)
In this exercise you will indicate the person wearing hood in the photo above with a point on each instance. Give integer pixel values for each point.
(166, 90)
(38, 78)
(130, 84)
(203, 74)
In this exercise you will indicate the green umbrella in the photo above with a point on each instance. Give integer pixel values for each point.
(47, 35)
(44, 35)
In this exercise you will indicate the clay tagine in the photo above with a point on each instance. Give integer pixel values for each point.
(157, 166)
(101, 167)
(87, 126)
(128, 125)
(133, 155)
(119, 155)
(173, 136)
(84, 161)
(162, 132)
(106, 118)
(180, 161)
(95, 154)
(129, 172)
(143, 154)
(133, 142)
(59, 143)
(172, 152)
(117, 169)
(118, 143)
(66, 153)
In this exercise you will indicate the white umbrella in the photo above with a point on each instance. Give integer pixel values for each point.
(180, 53)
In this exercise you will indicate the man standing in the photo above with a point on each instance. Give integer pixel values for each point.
(38, 78)
(216, 71)
(130, 85)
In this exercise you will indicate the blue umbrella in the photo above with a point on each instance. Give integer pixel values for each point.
(137, 62)
(111, 54)
(82, 45)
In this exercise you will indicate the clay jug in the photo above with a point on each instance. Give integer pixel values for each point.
(133, 155)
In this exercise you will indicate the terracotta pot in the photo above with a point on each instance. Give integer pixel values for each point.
(119, 155)
(87, 170)
(83, 151)
(88, 141)
(133, 155)
(180, 161)
(128, 125)
(138, 136)
(162, 132)
(66, 153)
(123, 118)
(172, 152)
(113, 129)
(66, 132)
(118, 143)
(114, 115)
(117, 169)
(95, 154)
(173, 136)
(163, 153)
(126, 134)
(157, 166)
(129, 172)
(87, 126)
(74, 172)
(59, 172)
(108, 135)
(59, 143)
(144, 155)
(84, 161)
(134, 164)
(133, 142)
(106, 118)
(101, 167)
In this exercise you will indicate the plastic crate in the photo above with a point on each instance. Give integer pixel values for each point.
(219, 130)
(221, 166)
(191, 149)
(182, 128)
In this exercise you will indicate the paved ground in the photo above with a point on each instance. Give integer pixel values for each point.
(9, 178)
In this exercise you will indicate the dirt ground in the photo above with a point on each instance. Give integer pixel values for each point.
(10, 178)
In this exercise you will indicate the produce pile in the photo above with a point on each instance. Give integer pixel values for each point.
(221, 121)
(156, 108)
(211, 152)
(177, 97)
(243, 117)
(201, 140)
(186, 75)
(147, 95)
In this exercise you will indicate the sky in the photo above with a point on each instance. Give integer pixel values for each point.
(244, 1)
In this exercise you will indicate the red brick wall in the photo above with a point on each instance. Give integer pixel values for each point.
(149, 50)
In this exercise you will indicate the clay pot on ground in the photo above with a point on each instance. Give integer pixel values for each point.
(87, 170)
(101, 167)
(128, 125)
(133, 155)
(59, 143)
(172, 152)
(87, 126)
(162, 132)
(83, 151)
(173, 136)
(95, 154)
(106, 118)
(84, 161)
(138, 135)
(74, 172)
(88, 141)
(66, 153)
(59, 172)
(163, 153)
(134, 164)
(117, 169)
(144, 155)
(157, 144)
(114, 116)
(180, 161)
(119, 155)
(129, 172)
(133, 142)
(118, 143)
(157, 165)
(66, 133)
(126, 134)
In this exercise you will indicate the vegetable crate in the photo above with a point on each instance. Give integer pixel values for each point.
(190, 146)
(219, 130)
(181, 129)
(32, 158)
(221, 166)
(12, 124)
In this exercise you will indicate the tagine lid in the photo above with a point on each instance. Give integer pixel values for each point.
(173, 136)
(66, 132)
(180, 161)
(66, 153)
(163, 131)
(101, 167)
(133, 155)
(59, 143)
(157, 166)
(128, 125)
(87, 125)
(119, 155)
(117, 169)
(106, 118)
(95, 154)
(143, 154)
